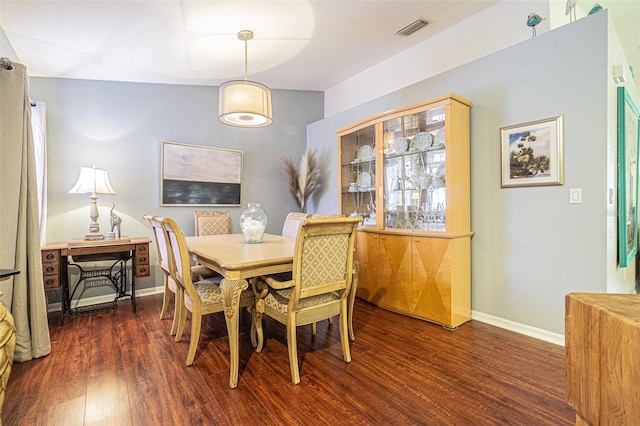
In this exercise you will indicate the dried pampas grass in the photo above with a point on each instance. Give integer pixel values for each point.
(304, 181)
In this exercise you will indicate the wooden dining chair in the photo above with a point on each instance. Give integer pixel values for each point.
(292, 223)
(210, 223)
(164, 262)
(322, 276)
(289, 230)
(354, 284)
(200, 298)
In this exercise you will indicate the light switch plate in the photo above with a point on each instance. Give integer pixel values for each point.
(575, 195)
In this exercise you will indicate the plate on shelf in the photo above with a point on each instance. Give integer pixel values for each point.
(400, 145)
(364, 181)
(421, 142)
(438, 138)
(365, 153)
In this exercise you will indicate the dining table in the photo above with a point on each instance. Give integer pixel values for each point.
(238, 262)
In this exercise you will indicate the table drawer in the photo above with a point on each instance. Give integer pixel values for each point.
(51, 282)
(51, 269)
(142, 260)
(142, 271)
(50, 256)
(142, 249)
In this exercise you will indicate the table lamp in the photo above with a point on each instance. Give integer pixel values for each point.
(93, 181)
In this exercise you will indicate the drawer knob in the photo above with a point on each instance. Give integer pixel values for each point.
(51, 256)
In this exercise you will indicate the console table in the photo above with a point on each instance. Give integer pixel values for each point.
(58, 257)
(602, 341)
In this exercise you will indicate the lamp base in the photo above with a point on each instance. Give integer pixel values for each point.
(94, 236)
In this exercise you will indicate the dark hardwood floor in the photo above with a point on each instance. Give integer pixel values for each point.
(121, 368)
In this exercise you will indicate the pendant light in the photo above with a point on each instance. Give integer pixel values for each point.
(245, 103)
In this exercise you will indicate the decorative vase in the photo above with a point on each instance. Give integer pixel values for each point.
(253, 221)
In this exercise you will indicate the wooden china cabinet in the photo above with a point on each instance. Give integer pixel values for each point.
(407, 172)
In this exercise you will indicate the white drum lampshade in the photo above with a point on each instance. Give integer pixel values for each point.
(245, 103)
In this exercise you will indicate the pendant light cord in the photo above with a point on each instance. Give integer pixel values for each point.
(245, 59)
(245, 35)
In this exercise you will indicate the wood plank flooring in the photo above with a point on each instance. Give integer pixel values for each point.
(121, 368)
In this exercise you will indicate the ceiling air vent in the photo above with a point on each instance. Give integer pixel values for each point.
(412, 27)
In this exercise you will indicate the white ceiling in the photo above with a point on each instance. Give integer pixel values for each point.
(306, 45)
(298, 44)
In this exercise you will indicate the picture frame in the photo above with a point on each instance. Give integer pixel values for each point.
(196, 175)
(628, 141)
(531, 153)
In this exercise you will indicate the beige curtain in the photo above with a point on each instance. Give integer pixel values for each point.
(39, 128)
(19, 223)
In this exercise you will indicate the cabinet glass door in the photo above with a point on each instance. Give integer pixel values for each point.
(358, 179)
(414, 171)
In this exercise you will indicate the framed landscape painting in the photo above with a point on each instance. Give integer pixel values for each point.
(532, 153)
(628, 140)
(196, 175)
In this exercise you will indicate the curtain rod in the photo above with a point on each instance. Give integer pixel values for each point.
(6, 64)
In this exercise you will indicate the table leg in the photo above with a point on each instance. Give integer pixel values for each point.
(64, 276)
(260, 290)
(231, 290)
(133, 279)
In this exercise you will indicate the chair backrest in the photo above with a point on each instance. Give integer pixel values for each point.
(212, 222)
(292, 223)
(323, 258)
(325, 215)
(180, 262)
(162, 246)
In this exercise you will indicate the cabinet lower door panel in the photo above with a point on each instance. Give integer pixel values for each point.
(367, 254)
(395, 273)
(441, 290)
(432, 279)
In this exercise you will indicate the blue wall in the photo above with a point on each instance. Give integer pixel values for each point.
(121, 127)
(531, 247)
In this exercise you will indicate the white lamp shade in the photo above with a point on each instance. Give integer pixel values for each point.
(92, 181)
(245, 103)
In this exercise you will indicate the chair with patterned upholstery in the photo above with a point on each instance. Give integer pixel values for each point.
(210, 223)
(318, 290)
(292, 223)
(163, 260)
(200, 298)
(289, 230)
(325, 215)
(354, 283)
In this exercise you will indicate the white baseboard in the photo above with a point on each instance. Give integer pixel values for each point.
(527, 330)
(538, 333)
(52, 307)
